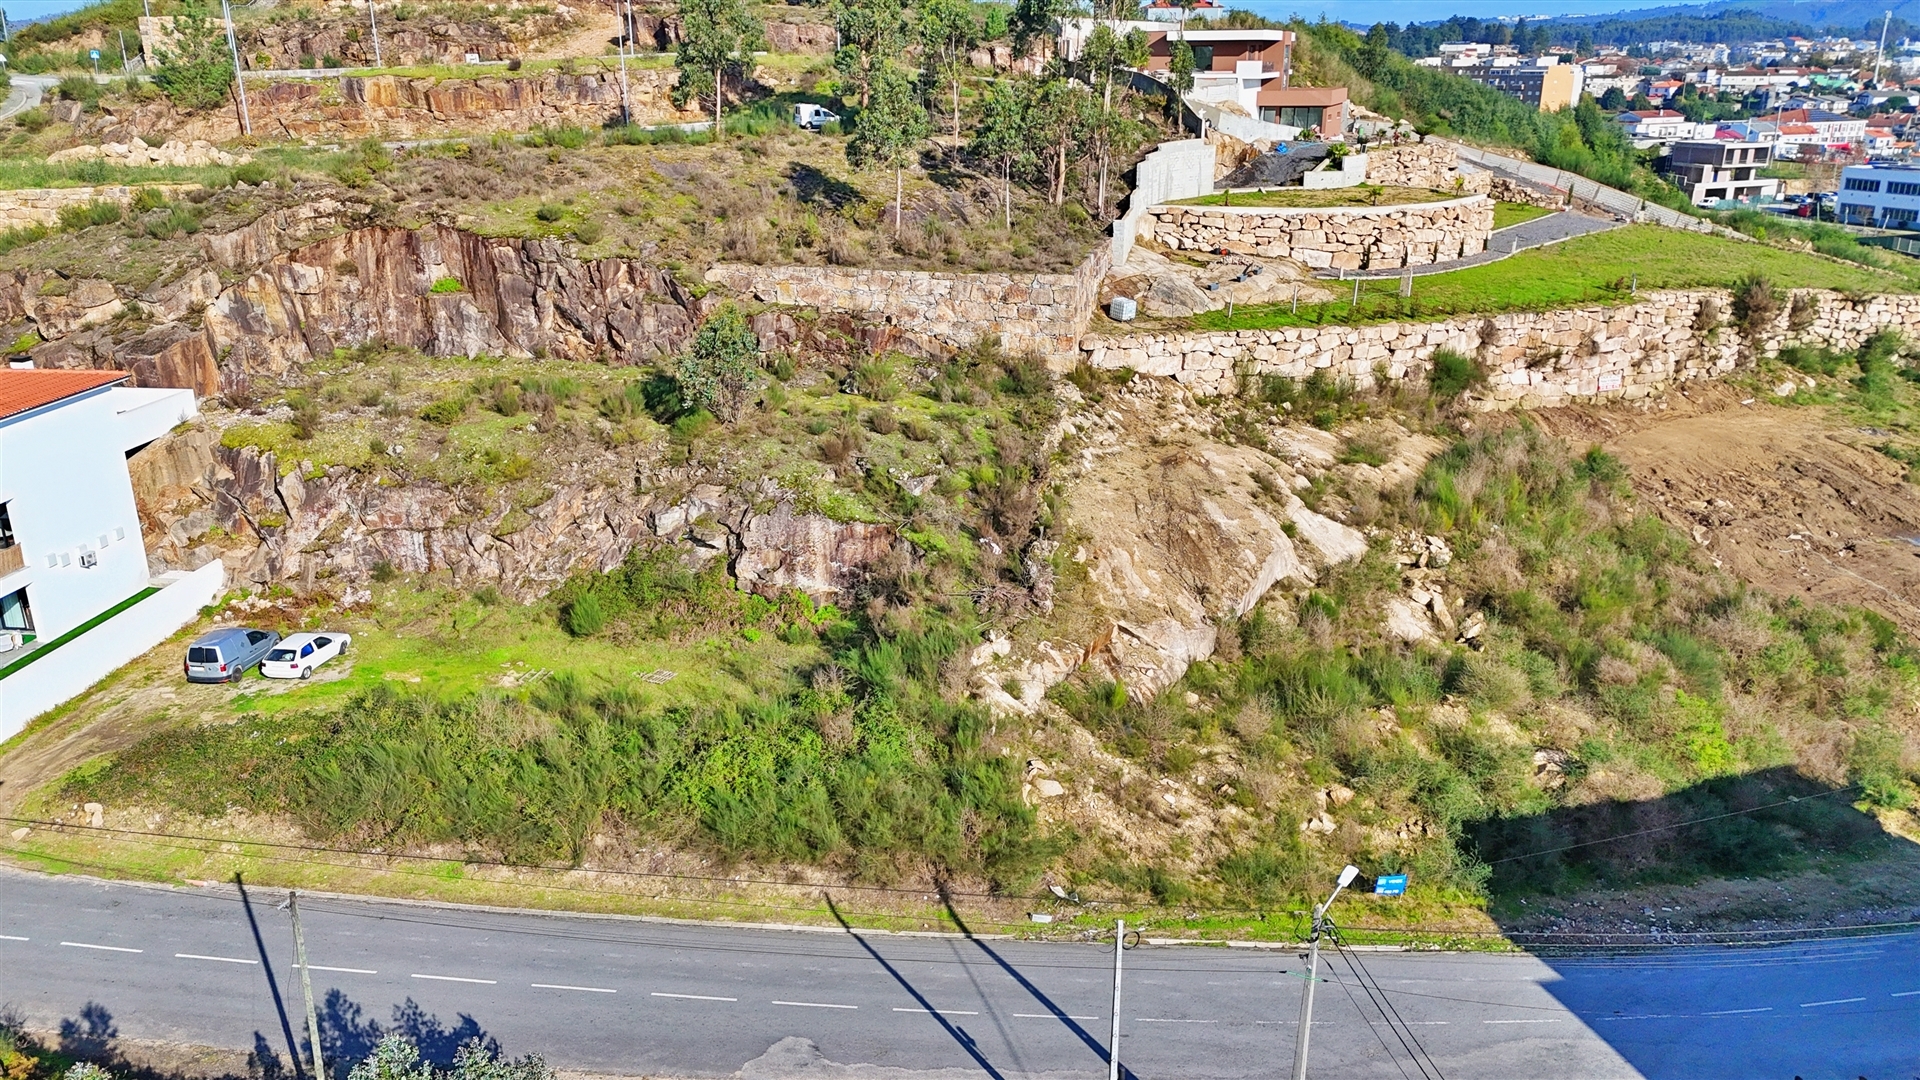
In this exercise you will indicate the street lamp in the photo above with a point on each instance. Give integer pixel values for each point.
(1313, 973)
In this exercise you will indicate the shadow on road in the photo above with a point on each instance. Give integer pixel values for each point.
(1557, 890)
(273, 984)
(1098, 1048)
(959, 1034)
(347, 1036)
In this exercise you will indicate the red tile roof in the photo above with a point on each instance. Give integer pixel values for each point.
(24, 390)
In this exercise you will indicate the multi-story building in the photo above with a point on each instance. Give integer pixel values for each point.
(1721, 170)
(1887, 196)
(1546, 84)
(1253, 68)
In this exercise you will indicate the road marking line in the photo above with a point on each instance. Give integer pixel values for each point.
(221, 959)
(347, 971)
(694, 997)
(1164, 1020)
(1641, 1016)
(10, 937)
(102, 948)
(1835, 1001)
(456, 978)
(1052, 1016)
(1903, 993)
(1555, 1020)
(583, 989)
(815, 1005)
(938, 1012)
(1739, 1012)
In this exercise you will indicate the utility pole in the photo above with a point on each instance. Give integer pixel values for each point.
(374, 25)
(1313, 974)
(1113, 1040)
(626, 40)
(306, 986)
(124, 69)
(1880, 54)
(239, 82)
(5, 34)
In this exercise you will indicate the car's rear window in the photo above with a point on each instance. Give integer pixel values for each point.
(280, 654)
(201, 654)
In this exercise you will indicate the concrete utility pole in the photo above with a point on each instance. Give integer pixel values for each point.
(1313, 974)
(1880, 54)
(306, 986)
(626, 40)
(1113, 1040)
(239, 82)
(374, 25)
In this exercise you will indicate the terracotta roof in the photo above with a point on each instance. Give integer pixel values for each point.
(24, 390)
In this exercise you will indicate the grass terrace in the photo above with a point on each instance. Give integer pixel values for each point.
(1603, 268)
(1507, 214)
(1306, 199)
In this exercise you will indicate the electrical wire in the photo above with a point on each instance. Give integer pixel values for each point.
(1675, 825)
(1376, 1033)
(1378, 995)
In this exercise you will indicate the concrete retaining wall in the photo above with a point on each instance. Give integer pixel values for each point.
(1347, 238)
(1532, 359)
(1177, 170)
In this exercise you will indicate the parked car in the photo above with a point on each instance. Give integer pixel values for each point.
(813, 117)
(225, 655)
(299, 654)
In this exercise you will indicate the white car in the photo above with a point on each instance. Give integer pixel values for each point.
(298, 654)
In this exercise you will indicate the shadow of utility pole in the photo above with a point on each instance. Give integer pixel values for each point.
(273, 986)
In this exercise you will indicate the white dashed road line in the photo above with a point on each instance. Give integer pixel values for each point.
(1903, 993)
(1552, 1021)
(458, 979)
(1164, 1020)
(1835, 1001)
(582, 989)
(343, 971)
(938, 1012)
(217, 959)
(10, 937)
(102, 948)
(693, 997)
(815, 1005)
(1052, 1016)
(1740, 1012)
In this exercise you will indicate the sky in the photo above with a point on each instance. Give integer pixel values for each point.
(1359, 11)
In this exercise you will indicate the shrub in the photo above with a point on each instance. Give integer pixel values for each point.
(87, 215)
(252, 173)
(447, 285)
(446, 412)
(550, 212)
(585, 617)
(1453, 374)
(1754, 305)
(34, 120)
(721, 365)
(589, 232)
(197, 70)
(146, 198)
(80, 88)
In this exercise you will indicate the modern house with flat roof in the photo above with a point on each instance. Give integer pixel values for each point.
(75, 589)
(1721, 170)
(1885, 196)
(1253, 68)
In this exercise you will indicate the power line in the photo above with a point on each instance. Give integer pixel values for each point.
(1677, 825)
(1402, 1030)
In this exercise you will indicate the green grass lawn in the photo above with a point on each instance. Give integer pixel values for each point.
(1597, 269)
(1305, 199)
(1507, 213)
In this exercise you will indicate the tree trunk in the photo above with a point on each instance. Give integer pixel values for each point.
(719, 85)
(956, 109)
(1060, 177)
(1006, 188)
(898, 196)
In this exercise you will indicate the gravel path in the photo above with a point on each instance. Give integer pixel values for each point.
(1538, 232)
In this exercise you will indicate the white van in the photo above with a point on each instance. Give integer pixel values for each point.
(812, 117)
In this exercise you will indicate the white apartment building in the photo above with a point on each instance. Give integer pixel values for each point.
(1887, 196)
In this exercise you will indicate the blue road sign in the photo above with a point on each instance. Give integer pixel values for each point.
(93, 53)
(1390, 885)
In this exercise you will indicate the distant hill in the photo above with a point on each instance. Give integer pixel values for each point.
(1748, 17)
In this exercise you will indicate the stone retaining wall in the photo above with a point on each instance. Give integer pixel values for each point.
(41, 206)
(1513, 191)
(1044, 313)
(1532, 359)
(1346, 238)
(1418, 165)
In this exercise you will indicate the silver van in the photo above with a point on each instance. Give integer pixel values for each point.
(224, 655)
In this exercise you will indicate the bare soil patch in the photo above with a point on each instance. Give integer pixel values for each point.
(1791, 499)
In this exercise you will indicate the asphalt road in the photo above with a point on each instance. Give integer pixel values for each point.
(633, 997)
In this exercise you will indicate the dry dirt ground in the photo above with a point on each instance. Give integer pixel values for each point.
(1790, 499)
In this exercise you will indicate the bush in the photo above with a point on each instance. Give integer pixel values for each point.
(445, 285)
(87, 215)
(585, 617)
(721, 365)
(35, 120)
(550, 212)
(146, 198)
(589, 232)
(1453, 374)
(1754, 305)
(446, 412)
(80, 88)
(197, 71)
(252, 173)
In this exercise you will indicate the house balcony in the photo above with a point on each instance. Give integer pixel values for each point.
(12, 559)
